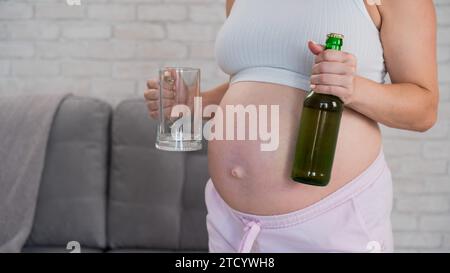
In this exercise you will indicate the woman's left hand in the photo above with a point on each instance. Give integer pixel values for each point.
(333, 73)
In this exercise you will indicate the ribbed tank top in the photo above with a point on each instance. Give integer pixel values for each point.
(266, 40)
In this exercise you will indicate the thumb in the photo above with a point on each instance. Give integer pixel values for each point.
(315, 48)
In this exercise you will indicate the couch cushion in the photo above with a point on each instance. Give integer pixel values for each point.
(72, 196)
(156, 197)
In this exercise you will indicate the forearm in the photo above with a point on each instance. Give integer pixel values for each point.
(215, 95)
(403, 105)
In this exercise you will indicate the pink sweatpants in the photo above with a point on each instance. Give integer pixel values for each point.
(355, 218)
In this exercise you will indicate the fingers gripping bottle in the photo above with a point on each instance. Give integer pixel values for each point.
(318, 133)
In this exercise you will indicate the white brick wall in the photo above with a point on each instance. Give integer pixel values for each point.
(104, 48)
(108, 48)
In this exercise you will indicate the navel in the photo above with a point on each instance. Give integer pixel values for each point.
(237, 172)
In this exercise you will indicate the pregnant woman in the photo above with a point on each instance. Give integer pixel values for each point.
(267, 49)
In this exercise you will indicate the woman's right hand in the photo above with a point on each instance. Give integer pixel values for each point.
(151, 96)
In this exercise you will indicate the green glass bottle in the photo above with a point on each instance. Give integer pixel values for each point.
(318, 133)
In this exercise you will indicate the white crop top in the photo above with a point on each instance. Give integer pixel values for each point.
(266, 40)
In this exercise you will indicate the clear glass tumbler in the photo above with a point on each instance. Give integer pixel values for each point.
(180, 120)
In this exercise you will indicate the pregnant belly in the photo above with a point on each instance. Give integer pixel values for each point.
(258, 182)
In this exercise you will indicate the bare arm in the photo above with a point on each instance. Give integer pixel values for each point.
(408, 33)
(215, 95)
(229, 5)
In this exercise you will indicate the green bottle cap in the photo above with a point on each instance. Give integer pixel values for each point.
(334, 41)
(335, 35)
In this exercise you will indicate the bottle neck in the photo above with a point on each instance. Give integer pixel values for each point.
(334, 43)
(333, 47)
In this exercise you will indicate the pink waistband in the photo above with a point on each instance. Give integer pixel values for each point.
(349, 190)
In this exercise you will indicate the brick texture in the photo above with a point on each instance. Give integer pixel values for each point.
(109, 48)
(104, 48)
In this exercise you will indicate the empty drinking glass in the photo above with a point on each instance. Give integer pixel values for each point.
(180, 118)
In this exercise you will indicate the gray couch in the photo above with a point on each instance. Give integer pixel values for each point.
(106, 186)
